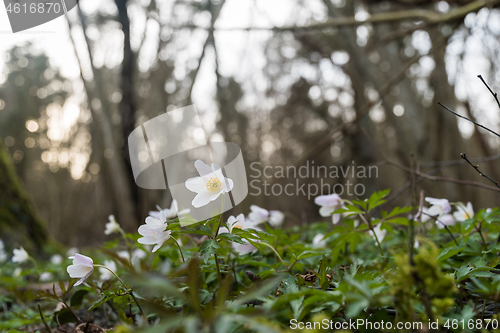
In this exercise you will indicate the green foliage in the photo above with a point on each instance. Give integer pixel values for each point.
(451, 275)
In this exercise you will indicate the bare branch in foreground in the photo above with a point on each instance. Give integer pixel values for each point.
(479, 171)
(491, 91)
(472, 121)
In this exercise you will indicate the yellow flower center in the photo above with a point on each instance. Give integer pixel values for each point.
(237, 227)
(214, 185)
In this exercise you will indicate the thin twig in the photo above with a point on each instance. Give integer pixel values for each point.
(479, 171)
(491, 91)
(424, 175)
(444, 225)
(472, 121)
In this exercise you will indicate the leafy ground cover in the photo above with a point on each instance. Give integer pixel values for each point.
(248, 274)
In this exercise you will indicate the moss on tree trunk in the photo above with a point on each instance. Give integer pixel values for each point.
(20, 223)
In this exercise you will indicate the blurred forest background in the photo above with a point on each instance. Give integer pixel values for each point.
(289, 81)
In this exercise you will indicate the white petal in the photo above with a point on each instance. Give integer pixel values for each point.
(147, 240)
(157, 246)
(79, 282)
(447, 219)
(83, 260)
(196, 184)
(229, 184)
(326, 210)
(145, 230)
(432, 201)
(78, 271)
(241, 218)
(435, 210)
(202, 168)
(336, 218)
(201, 199)
(231, 220)
(151, 221)
(276, 218)
(328, 200)
(163, 216)
(243, 248)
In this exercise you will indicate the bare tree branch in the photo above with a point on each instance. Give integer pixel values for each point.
(479, 171)
(491, 91)
(428, 16)
(472, 121)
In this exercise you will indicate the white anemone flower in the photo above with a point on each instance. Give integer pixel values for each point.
(238, 222)
(318, 241)
(445, 220)
(81, 268)
(46, 276)
(210, 185)
(260, 215)
(72, 251)
(329, 204)
(112, 226)
(439, 206)
(154, 232)
(243, 248)
(124, 255)
(20, 255)
(378, 232)
(276, 218)
(170, 213)
(105, 273)
(463, 212)
(56, 259)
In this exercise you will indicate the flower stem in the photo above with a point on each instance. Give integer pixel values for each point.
(97, 265)
(220, 217)
(478, 228)
(374, 234)
(276, 252)
(33, 261)
(123, 283)
(43, 319)
(180, 251)
(215, 238)
(218, 268)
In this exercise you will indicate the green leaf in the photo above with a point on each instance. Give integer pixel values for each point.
(376, 199)
(462, 272)
(208, 248)
(104, 297)
(469, 224)
(77, 298)
(449, 252)
(231, 238)
(206, 230)
(396, 211)
(309, 254)
(466, 272)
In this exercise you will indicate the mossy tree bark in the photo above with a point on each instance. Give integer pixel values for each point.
(20, 224)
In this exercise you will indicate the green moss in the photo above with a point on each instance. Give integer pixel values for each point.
(20, 223)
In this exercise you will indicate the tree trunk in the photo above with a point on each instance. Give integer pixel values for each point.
(127, 105)
(20, 224)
